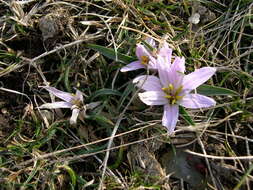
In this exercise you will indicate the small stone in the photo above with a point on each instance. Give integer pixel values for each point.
(4, 111)
(144, 161)
(194, 19)
(49, 26)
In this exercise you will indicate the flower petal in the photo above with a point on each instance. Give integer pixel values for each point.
(153, 98)
(178, 64)
(56, 105)
(198, 77)
(176, 73)
(79, 95)
(60, 94)
(197, 101)
(170, 117)
(163, 71)
(141, 51)
(75, 113)
(93, 105)
(165, 52)
(152, 63)
(148, 83)
(151, 42)
(132, 66)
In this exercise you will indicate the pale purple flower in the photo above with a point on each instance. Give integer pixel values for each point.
(71, 101)
(147, 59)
(173, 88)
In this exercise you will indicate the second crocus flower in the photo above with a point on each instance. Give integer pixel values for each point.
(71, 101)
(146, 58)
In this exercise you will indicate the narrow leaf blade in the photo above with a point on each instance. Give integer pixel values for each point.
(110, 53)
(103, 92)
(184, 114)
(215, 91)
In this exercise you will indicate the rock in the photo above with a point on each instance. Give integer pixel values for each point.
(49, 26)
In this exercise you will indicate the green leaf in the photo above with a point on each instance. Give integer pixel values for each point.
(184, 114)
(100, 119)
(50, 135)
(244, 177)
(181, 34)
(105, 91)
(71, 174)
(110, 53)
(66, 79)
(214, 91)
(119, 159)
(92, 149)
(127, 93)
(30, 177)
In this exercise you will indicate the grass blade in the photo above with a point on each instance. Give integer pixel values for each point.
(105, 91)
(110, 53)
(186, 116)
(215, 91)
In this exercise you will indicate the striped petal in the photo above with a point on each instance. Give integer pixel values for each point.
(60, 94)
(151, 42)
(198, 77)
(165, 52)
(56, 105)
(75, 113)
(148, 83)
(79, 95)
(170, 117)
(176, 73)
(142, 51)
(153, 98)
(132, 66)
(163, 71)
(195, 101)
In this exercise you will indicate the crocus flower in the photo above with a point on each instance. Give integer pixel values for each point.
(173, 88)
(72, 101)
(147, 59)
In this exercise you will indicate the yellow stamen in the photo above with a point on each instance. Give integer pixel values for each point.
(179, 97)
(172, 94)
(168, 96)
(144, 60)
(77, 102)
(173, 101)
(171, 87)
(178, 91)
